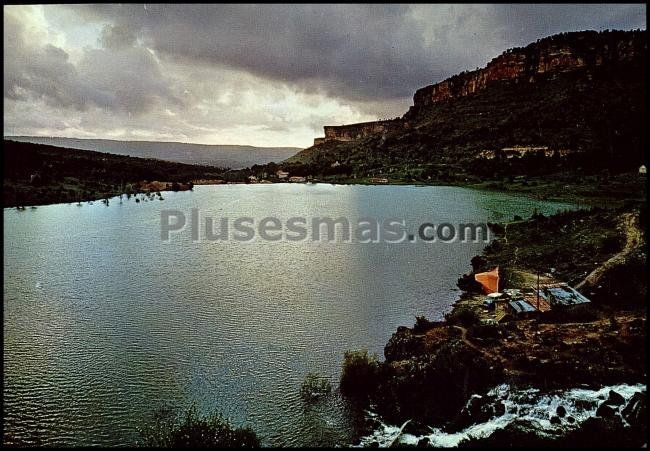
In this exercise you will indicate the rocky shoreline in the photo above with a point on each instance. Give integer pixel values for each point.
(444, 378)
(441, 376)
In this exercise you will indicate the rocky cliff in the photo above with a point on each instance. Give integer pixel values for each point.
(352, 132)
(588, 51)
(545, 58)
(571, 102)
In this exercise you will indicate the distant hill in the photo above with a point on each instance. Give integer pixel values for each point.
(225, 156)
(36, 174)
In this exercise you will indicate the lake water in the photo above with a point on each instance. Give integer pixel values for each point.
(104, 322)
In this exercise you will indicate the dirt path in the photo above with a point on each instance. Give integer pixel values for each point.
(464, 339)
(633, 240)
(507, 366)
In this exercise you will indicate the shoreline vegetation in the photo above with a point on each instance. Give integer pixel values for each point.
(36, 175)
(168, 428)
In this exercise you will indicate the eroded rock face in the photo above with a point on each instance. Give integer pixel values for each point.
(435, 385)
(352, 132)
(567, 52)
(561, 53)
(635, 412)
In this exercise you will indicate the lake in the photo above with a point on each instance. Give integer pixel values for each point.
(104, 322)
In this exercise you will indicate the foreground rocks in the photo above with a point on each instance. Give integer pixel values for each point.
(439, 376)
(616, 425)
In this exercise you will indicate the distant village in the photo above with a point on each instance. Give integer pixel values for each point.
(280, 176)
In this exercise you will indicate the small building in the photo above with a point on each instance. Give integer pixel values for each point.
(488, 303)
(487, 154)
(282, 174)
(513, 293)
(379, 180)
(318, 141)
(642, 169)
(538, 302)
(494, 300)
(297, 179)
(336, 164)
(252, 179)
(208, 182)
(561, 296)
(489, 280)
(521, 308)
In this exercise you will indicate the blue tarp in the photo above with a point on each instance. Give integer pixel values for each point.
(522, 306)
(563, 296)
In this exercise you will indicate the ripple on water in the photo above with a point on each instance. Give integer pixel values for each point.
(103, 322)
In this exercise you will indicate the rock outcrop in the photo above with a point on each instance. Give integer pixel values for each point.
(352, 132)
(547, 57)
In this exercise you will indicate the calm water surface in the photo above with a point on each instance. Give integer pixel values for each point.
(104, 322)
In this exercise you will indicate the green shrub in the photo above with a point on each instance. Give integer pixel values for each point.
(314, 387)
(192, 430)
(422, 325)
(359, 374)
(464, 316)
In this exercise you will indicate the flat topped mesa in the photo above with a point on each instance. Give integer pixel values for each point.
(546, 58)
(353, 132)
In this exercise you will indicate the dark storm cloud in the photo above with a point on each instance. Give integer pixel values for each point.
(351, 46)
(252, 74)
(119, 78)
(526, 23)
(41, 72)
(355, 51)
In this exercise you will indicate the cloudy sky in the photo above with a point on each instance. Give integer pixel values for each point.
(268, 75)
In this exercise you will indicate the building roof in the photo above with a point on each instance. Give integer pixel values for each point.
(522, 306)
(563, 296)
(544, 306)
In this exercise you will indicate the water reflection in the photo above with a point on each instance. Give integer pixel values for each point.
(104, 322)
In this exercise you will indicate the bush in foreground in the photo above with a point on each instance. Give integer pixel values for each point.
(315, 387)
(192, 430)
(464, 316)
(359, 374)
(422, 324)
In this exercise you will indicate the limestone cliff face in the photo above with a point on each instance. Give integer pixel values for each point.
(547, 58)
(553, 55)
(353, 132)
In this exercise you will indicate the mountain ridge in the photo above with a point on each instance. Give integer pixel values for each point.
(589, 113)
(219, 155)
